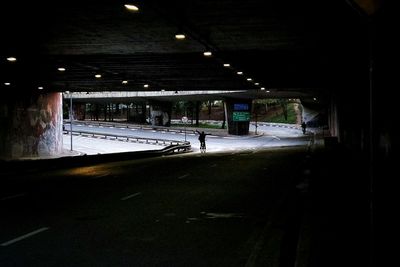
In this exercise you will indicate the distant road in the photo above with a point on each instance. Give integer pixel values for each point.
(268, 136)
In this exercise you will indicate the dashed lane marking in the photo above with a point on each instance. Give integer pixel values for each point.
(100, 176)
(184, 176)
(22, 237)
(131, 196)
(13, 196)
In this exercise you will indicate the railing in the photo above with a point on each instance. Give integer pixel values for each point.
(127, 138)
(130, 126)
(173, 148)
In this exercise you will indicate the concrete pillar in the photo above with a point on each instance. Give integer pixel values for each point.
(238, 112)
(333, 121)
(31, 126)
(137, 112)
(160, 113)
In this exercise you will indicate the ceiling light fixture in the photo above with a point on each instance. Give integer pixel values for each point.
(97, 76)
(268, 91)
(6, 83)
(227, 65)
(249, 79)
(239, 73)
(11, 59)
(40, 87)
(180, 36)
(207, 54)
(125, 82)
(262, 88)
(256, 83)
(131, 7)
(61, 69)
(146, 86)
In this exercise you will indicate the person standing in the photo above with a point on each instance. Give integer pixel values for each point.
(202, 139)
(304, 126)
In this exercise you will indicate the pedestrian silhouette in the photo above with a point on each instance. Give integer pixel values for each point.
(202, 139)
(304, 126)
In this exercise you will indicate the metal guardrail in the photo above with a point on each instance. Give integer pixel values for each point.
(127, 138)
(173, 148)
(130, 126)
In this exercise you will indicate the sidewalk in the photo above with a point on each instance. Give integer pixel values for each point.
(335, 224)
(82, 145)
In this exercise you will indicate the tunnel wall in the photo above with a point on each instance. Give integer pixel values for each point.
(31, 126)
(314, 115)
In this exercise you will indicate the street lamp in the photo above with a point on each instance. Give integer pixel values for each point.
(256, 124)
(184, 120)
(70, 114)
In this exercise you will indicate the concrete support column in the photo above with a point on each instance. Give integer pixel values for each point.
(333, 121)
(137, 112)
(160, 113)
(31, 126)
(238, 112)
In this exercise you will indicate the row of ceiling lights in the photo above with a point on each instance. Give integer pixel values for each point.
(60, 69)
(182, 36)
(14, 59)
(178, 36)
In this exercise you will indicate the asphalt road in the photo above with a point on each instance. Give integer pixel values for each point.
(214, 209)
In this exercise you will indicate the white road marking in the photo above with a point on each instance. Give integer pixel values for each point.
(12, 241)
(100, 176)
(131, 196)
(13, 196)
(183, 176)
(213, 215)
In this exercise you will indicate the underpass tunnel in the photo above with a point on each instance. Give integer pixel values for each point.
(335, 56)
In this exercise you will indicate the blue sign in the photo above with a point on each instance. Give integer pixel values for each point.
(240, 107)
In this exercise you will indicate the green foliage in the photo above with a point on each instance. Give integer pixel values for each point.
(201, 125)
(280, 118)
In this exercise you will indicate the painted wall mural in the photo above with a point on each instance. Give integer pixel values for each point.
(33, 127)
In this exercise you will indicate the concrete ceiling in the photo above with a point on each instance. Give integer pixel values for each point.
(294, 47)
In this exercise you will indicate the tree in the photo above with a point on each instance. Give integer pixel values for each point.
(284, 104)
